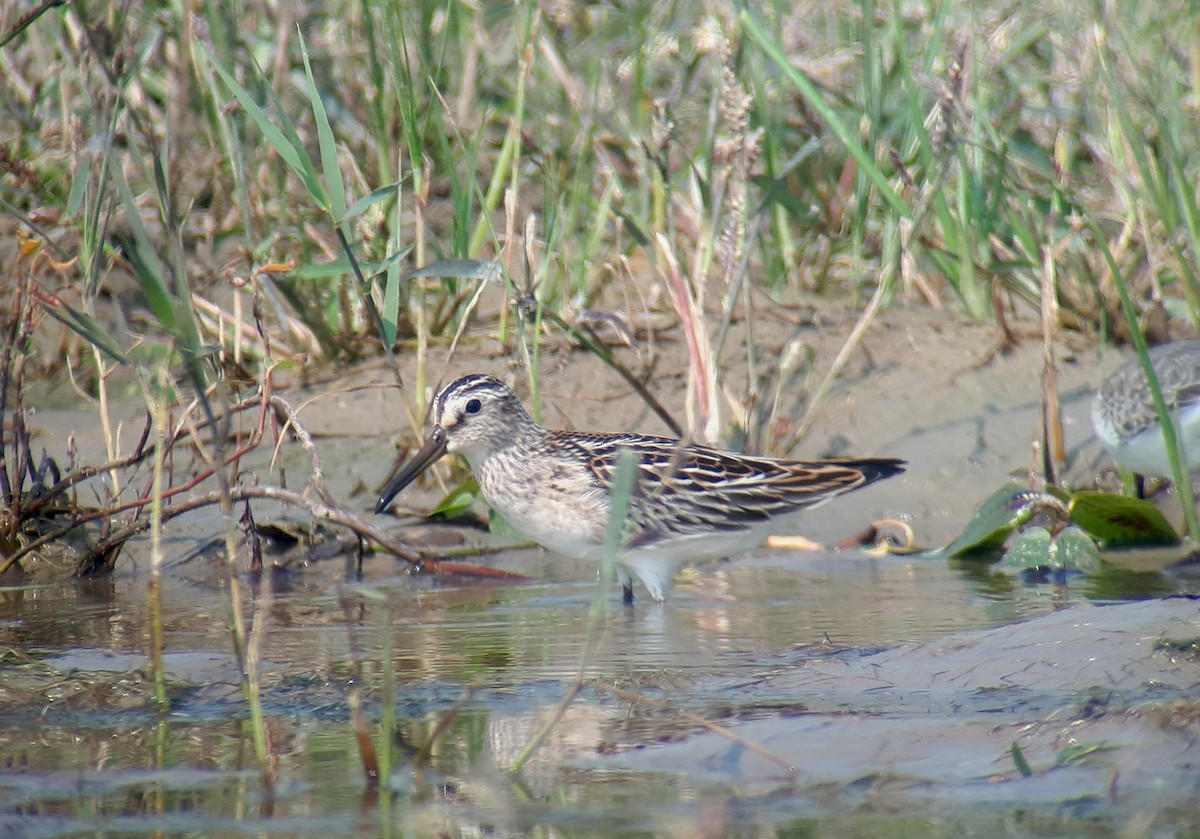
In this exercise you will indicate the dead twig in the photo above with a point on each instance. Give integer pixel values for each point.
(362, 731)
(317, 509)
(423, 754)
(317, 481)
(106, 513)
(139, 454)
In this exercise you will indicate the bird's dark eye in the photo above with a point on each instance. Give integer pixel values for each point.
(473, 406)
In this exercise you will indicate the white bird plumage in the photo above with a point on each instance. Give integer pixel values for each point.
(689, 502)
(1125, 418)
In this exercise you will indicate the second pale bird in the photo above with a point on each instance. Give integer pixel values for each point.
(689, 503)
(1127, 422)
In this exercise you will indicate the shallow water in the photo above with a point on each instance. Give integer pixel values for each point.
(82, 747)
(887, 692)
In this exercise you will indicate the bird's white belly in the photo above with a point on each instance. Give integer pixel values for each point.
(556, 522)
(1145, 453)
(573, 523)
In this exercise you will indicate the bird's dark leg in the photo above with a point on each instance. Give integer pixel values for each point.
(627, 594)
(1140, 483)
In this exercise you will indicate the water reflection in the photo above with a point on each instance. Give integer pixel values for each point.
(726, 629)
(62, 614)
(720, 619)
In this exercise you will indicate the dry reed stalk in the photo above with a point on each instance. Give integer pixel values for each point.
(703, 407)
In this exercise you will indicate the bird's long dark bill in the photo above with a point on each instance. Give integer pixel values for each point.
(429, 454)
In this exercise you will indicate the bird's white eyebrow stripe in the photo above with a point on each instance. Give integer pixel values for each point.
(461, 387)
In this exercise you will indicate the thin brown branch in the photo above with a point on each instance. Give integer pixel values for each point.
(317, 481)
(105, 513)
(139, 454)
(10, 482)
(423, 754)
(316, 509)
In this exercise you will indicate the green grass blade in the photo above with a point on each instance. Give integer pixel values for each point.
(342, 266)
(330, 168)
(865, 159)
(464, 269)
(148, 268)
(1179, 474)
(85, 326)
(369, 200)
(289, 148)
(390, 314)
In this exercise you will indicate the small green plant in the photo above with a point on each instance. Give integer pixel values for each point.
(1058, 531)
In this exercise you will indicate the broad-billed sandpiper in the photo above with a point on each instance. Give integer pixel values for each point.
(1127, 422)
(689, 502)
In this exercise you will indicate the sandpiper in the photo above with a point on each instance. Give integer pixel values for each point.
(689, 502)
(1127, 423)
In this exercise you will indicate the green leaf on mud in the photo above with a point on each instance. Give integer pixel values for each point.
(1071, 549)
(1120, 521)
(499, 527)
(457, 500)
(1078, 752)
(1019, 759)
(1005, 511)
(1033, 549)
(1077, 550)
